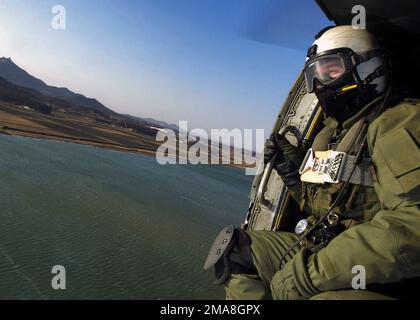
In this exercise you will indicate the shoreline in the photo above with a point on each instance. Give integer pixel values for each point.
(95, 144)
(81, 129)
(4, 130)
(81, 141)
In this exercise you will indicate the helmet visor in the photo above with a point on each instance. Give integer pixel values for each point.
(327, 70)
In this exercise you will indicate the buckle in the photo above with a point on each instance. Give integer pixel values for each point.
(322, 167)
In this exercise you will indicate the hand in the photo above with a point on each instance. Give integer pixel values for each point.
(270, 148)
(287, 158)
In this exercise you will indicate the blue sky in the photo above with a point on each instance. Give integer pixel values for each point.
(195, 60)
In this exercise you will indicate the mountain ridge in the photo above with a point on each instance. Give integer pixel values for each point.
(18, 76)
(32, 108)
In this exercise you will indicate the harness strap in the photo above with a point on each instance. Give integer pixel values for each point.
(362, 174)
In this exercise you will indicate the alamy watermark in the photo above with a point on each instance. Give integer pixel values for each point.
(58, 282)
(219, 146)
(58, 21)
(359, 280)
(359, 20)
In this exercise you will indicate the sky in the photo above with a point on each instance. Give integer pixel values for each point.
(215, 63)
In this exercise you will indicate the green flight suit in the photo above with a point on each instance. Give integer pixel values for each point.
(383, 234)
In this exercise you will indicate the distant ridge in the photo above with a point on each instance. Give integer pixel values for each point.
(65, 111)
(16, 75)
(160, 124)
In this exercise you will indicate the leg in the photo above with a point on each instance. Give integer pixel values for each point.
(267, 248)
(246, 287)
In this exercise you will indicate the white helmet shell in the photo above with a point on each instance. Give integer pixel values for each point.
(360, 41)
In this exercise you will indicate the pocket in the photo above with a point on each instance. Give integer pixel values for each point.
(401, 154)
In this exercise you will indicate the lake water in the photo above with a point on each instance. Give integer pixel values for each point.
(123, 226)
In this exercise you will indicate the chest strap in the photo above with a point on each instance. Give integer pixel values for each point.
(362, 174)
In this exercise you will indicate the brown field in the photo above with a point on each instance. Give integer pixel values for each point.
(74, 128)
(16, 120)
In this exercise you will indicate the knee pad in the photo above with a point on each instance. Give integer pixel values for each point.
(230, 254)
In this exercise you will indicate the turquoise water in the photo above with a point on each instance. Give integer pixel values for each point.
(123, 226)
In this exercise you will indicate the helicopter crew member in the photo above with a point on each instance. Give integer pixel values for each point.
(358, 185)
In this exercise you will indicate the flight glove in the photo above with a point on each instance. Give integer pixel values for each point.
(286, 158)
